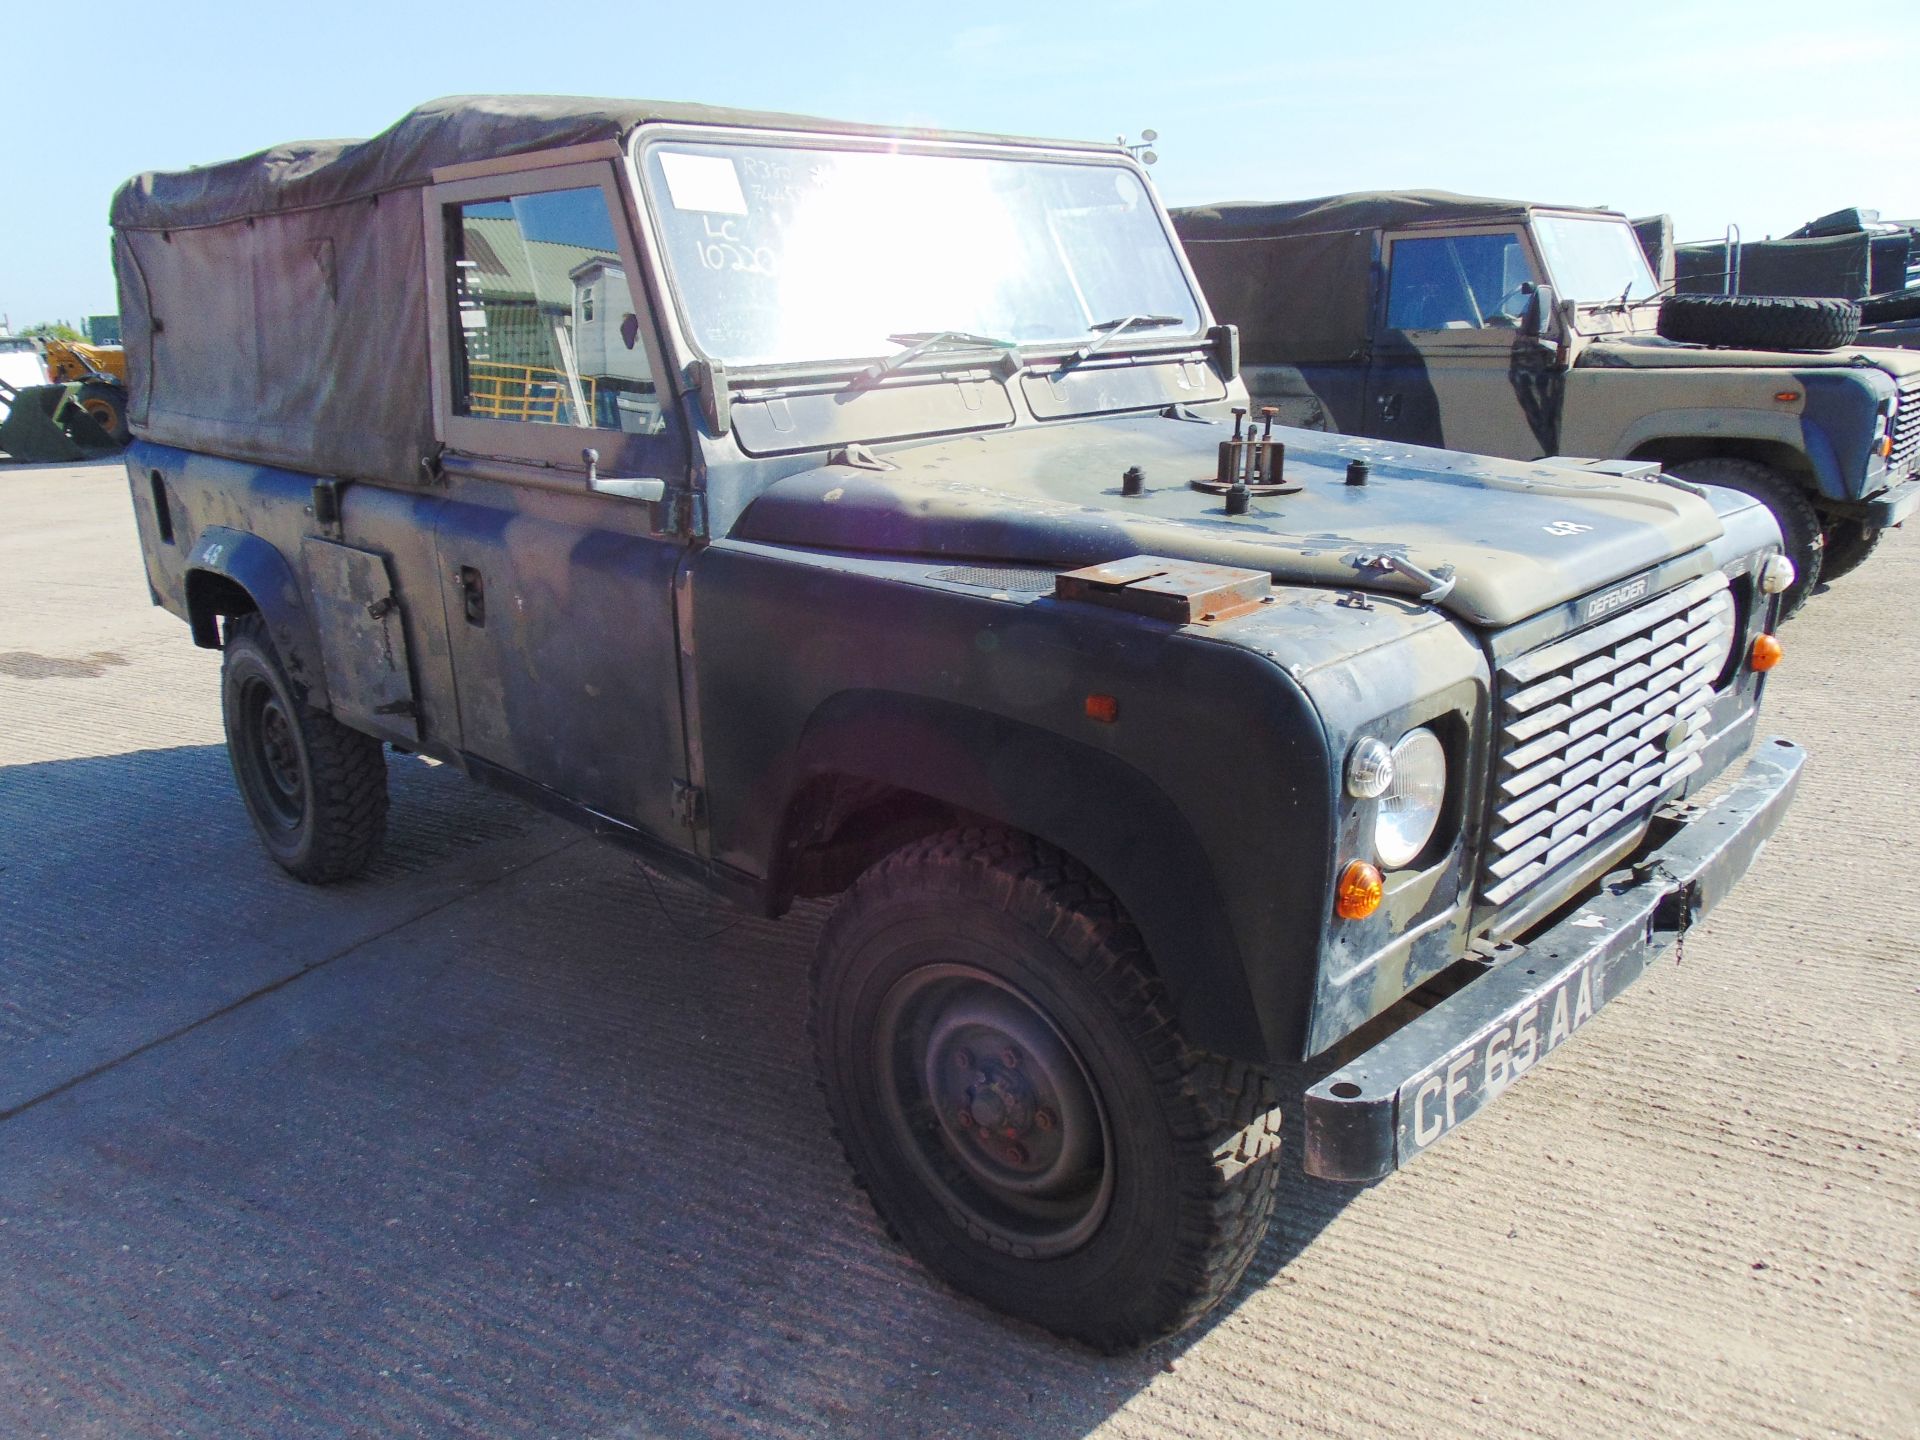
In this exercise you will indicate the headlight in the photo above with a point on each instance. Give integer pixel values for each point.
(1776, 574)
(1410, 806)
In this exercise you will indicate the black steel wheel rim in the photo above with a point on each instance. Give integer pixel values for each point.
(273, 766)
(994, 1108)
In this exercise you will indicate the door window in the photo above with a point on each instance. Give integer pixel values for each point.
(545, 327)
(1458, 282)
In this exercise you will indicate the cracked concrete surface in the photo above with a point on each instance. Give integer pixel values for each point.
(498, 1142)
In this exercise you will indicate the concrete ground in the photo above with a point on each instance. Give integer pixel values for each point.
(504, 1140)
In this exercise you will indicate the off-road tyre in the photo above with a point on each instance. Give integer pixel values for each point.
(982, 933)
(1885, 309)
(315, 790)
(107, 404)
(1759, 322)
(1786, 498)
(1848, 544)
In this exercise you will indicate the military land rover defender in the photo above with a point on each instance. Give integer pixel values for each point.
(818, 510)
(1507, 328)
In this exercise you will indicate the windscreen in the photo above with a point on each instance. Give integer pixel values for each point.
(783, 254)
(1594, 260)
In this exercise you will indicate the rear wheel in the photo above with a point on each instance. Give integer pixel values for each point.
(315, 790)
(1014, 1094)
(1786, 498)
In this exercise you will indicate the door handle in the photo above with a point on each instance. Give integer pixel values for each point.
(473, 593)
(629, 487)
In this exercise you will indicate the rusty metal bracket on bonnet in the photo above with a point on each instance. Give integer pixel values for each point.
(1183, 592)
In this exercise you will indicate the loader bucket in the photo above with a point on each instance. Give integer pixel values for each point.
(45, 422)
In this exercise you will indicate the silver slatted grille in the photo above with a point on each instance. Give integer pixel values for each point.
(1588, 726)
(1906, 426)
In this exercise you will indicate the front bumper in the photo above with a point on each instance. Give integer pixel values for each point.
(1896, 503)
(1423, 1081)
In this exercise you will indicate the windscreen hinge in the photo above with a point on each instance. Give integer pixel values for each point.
(709, 379)
(689, 804)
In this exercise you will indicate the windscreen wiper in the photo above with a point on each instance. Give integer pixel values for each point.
(1621, 302)
(919, 342)
(1660, 293)
(1110, 330)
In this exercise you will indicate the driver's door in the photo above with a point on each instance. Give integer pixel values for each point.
(558, 587)
(1454, 364)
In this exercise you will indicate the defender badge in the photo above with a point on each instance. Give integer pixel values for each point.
(1607, 601)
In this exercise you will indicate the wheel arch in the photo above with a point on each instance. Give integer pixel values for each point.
(232, 572)
(875, 770)
(1776, 453)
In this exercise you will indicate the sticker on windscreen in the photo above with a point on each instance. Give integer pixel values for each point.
(703, 182)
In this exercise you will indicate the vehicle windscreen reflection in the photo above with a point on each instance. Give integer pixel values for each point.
(784, 254)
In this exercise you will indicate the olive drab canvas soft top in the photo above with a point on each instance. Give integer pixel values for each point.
(1245, 256)
(274, 306)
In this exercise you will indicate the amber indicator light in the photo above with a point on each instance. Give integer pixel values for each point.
(1103, 708)
(1786, 397)
(1360, 891)
(1766, 652)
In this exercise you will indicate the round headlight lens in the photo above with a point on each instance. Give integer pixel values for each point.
(1410, 806)
(1369, 769)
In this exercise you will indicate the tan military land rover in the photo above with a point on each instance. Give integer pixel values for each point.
(1510, 328)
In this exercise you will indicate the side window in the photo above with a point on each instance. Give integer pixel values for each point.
(1457, 282)
(545, 328)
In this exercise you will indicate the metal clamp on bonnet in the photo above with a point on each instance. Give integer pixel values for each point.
(1429, 1077)
(1249, 463)
(1439, 582)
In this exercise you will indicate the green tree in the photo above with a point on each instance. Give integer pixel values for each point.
(52, 330)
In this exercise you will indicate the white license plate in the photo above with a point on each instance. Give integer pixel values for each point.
(1445, 1094)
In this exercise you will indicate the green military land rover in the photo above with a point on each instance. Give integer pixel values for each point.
(817, 509)
(1508, 328)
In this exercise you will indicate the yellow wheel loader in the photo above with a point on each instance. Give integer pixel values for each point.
(101, 373)
(81, 414)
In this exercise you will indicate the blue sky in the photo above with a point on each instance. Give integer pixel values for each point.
(1755, 111)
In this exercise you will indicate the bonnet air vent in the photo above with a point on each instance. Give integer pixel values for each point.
(1018, 580)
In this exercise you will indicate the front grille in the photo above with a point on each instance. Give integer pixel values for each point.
(1906, 426)
(1587, 729)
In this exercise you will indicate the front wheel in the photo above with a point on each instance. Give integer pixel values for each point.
(315, 790)
(107, 405)
(1848, 545)
(1012, 1089)
(1786, 498)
